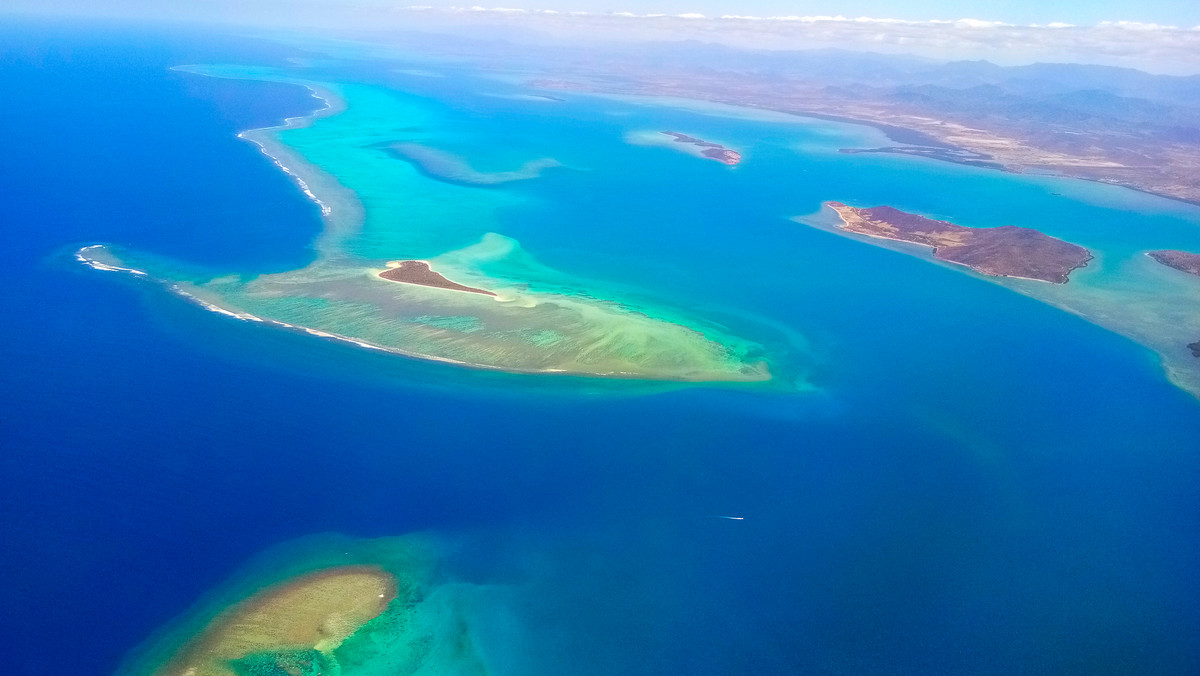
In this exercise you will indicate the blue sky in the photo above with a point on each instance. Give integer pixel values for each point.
(1182, 13)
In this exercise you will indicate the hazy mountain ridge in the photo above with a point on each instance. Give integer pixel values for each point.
(1115, 125)
(1103, 123)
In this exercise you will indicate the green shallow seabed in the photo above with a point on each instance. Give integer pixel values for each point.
(1120, 289)
(378, 208)
(422, 630)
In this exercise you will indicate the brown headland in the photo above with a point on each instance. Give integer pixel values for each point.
(419, 273)
(713, 151)
(1180, 260)
(1005, 251)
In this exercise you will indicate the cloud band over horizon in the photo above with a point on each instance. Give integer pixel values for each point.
(1147, 46)
(1154, 47)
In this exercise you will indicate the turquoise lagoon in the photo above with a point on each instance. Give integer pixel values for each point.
(394, 175)
(383, 195)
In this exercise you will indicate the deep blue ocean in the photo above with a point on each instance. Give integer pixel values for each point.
(984, 484)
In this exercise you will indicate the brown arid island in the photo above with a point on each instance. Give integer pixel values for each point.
(419, 273)
(1180, 260)
(1005, 251)
(1184, 261)
(713, 151)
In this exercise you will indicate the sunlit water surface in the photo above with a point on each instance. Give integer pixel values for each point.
(968, 480)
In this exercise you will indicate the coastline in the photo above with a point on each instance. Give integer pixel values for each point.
(949, 153)
(847, 225)
(941, 150)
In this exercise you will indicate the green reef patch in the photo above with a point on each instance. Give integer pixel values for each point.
(518, 330)
(444, 166)
(323, 606)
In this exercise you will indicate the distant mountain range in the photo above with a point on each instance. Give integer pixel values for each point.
(1115, 125)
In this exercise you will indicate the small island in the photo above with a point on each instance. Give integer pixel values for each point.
(1005, 251)
(419, 273)
(1183, 261)
(713, 151)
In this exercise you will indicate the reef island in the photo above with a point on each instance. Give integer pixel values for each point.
(1005, 251)
(713, 151)
(419, 273)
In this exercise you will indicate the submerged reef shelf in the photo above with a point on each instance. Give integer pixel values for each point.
(324, 605)
(1184, 261)
(295, 625)
(482, 308)
(508, 329)
(444, 166)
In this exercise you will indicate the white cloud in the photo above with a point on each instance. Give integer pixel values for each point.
(976, 23)
(1137, 26)
(1149, 46)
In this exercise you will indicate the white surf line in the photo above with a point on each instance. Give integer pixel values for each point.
(295, 176)
(331, 105)
(93, 263)
(731, 518)
(327, 109)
